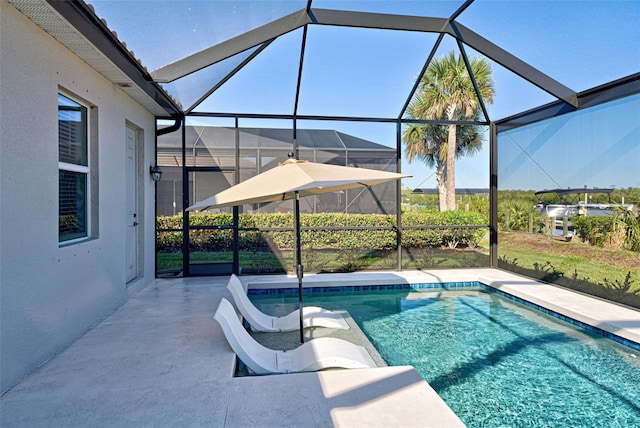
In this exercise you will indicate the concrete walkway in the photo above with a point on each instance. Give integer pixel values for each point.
(161, 360)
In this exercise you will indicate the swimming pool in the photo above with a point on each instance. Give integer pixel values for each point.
(494, 361)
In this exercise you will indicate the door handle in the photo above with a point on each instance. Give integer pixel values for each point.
(135, 223)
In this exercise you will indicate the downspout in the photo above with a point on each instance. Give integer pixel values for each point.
(160, 132)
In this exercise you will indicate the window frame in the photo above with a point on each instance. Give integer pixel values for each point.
(85, 109)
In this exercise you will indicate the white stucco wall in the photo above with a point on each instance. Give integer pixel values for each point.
(51, 295)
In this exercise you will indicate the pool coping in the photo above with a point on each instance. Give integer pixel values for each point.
(603, 316)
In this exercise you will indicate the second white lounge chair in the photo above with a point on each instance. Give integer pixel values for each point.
(313, 316)
(317, 354)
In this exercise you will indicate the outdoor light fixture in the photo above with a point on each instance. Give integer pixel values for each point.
(156, 173)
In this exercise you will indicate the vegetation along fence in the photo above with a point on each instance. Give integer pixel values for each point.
(449, 229)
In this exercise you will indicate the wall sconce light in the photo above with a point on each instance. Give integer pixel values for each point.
(156, 173)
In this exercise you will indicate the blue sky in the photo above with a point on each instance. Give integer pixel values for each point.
(364, 72)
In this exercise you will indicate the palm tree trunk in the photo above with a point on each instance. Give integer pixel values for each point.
(442, 185)
(451, 168)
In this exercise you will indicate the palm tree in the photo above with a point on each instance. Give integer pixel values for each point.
(446, 92)
(428, 143)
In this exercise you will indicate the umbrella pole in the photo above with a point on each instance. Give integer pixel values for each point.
(298, 266)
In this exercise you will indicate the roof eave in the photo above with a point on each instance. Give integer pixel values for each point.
(112, 59)
(82, 17)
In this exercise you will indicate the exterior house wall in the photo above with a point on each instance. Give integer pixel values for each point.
(50, 294)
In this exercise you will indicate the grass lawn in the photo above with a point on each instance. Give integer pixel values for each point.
(336, 261)
(593, 264)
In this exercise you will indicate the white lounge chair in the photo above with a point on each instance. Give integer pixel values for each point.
(317, 354)
(313, 316)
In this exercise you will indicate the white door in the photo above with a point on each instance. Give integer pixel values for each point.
(131, 207)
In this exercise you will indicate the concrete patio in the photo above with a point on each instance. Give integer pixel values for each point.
(161, 360)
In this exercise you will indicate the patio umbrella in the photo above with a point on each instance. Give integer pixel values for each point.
(293, 179)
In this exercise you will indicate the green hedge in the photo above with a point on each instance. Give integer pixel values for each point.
(452, 238)
(220, 240)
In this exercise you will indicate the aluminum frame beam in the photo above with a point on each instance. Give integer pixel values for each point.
(624, 87)
(342, 18)
(460, 33)
(226, 49)
(288, 23)
(381, 21)
(514, 64)
(227, 77)
(337, 118)
(472, 76)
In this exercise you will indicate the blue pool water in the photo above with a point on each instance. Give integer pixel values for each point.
(495, 362)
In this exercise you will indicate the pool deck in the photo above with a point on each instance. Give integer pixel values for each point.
(161, 360)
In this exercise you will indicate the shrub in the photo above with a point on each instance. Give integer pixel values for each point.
(593, 230)
(621, 230)
(632, 235)
(320, 234)
(519, 212)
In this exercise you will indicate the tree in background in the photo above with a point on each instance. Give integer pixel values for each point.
(446, 93)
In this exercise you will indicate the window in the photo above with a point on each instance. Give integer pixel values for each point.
(73, 166)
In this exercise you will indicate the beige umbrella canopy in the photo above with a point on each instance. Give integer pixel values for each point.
(290, 180)
(293, 177)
